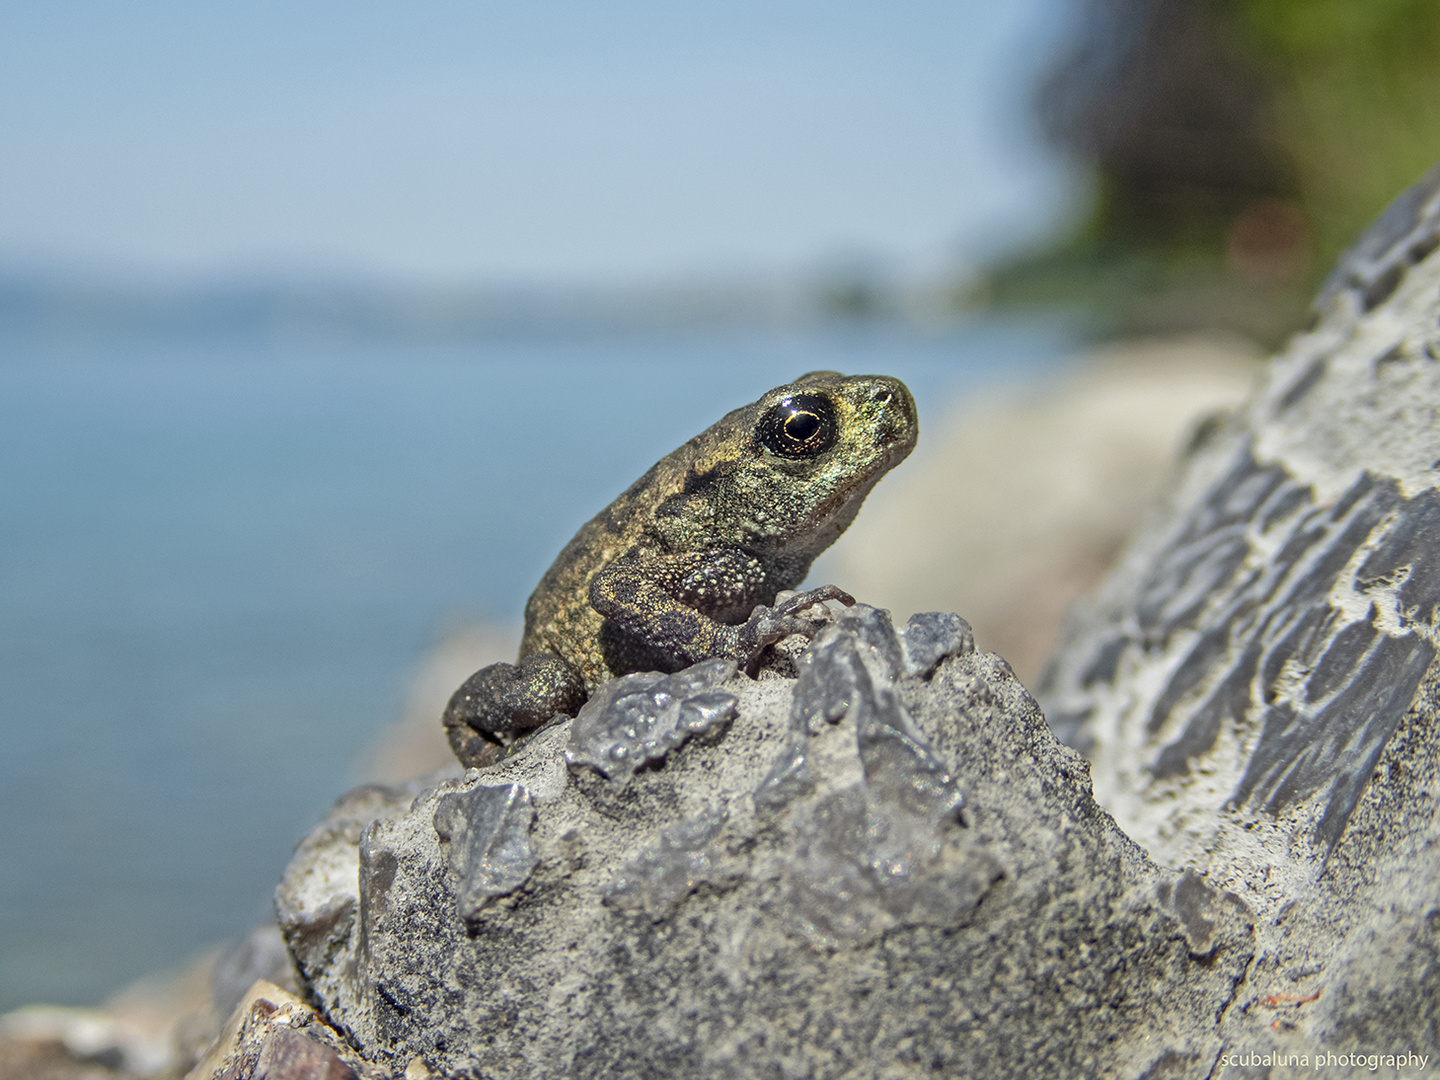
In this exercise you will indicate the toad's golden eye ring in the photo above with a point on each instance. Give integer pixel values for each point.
(799, 426)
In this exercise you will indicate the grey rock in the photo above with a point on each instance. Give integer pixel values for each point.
(874, 638)
(835, 681)
(826, 681)
(273, 1035)
(486, 835)
(638, 719)
(931, 636)
(662, 875)
(318, 902)
(871, 922)
(1404, 235)
(902, 770)
(1256, 683)
(790, 775)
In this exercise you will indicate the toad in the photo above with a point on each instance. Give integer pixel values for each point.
(686, 564)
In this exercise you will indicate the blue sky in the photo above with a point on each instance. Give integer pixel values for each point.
(555, 141)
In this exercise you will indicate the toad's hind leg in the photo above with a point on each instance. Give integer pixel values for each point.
(502, 701)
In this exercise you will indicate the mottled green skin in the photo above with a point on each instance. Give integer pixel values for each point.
(681, 567)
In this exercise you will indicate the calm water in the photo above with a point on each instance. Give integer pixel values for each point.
(218, 566)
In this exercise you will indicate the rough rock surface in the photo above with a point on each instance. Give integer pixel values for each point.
(887, 866)
(1256, 683)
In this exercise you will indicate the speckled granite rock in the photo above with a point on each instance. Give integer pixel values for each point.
(1256, 683)
(887, 866)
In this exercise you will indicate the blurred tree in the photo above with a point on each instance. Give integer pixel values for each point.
(1178, 123)
(1357, 86)
(1236, 146)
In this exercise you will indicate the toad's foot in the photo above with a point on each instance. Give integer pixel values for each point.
(502, 701)
(768, 625)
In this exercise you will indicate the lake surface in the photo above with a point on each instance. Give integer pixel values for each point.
(219, 565)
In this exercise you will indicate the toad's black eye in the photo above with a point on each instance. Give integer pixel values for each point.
(801, 425)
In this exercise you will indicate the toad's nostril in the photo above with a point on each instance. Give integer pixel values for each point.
(881, 395)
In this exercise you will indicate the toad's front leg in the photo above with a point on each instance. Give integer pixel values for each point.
(668, 605)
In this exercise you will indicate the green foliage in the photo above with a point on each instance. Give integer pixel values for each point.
(1237, 148)
(1357, 86)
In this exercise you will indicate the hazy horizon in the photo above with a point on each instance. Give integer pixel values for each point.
(563, 144)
